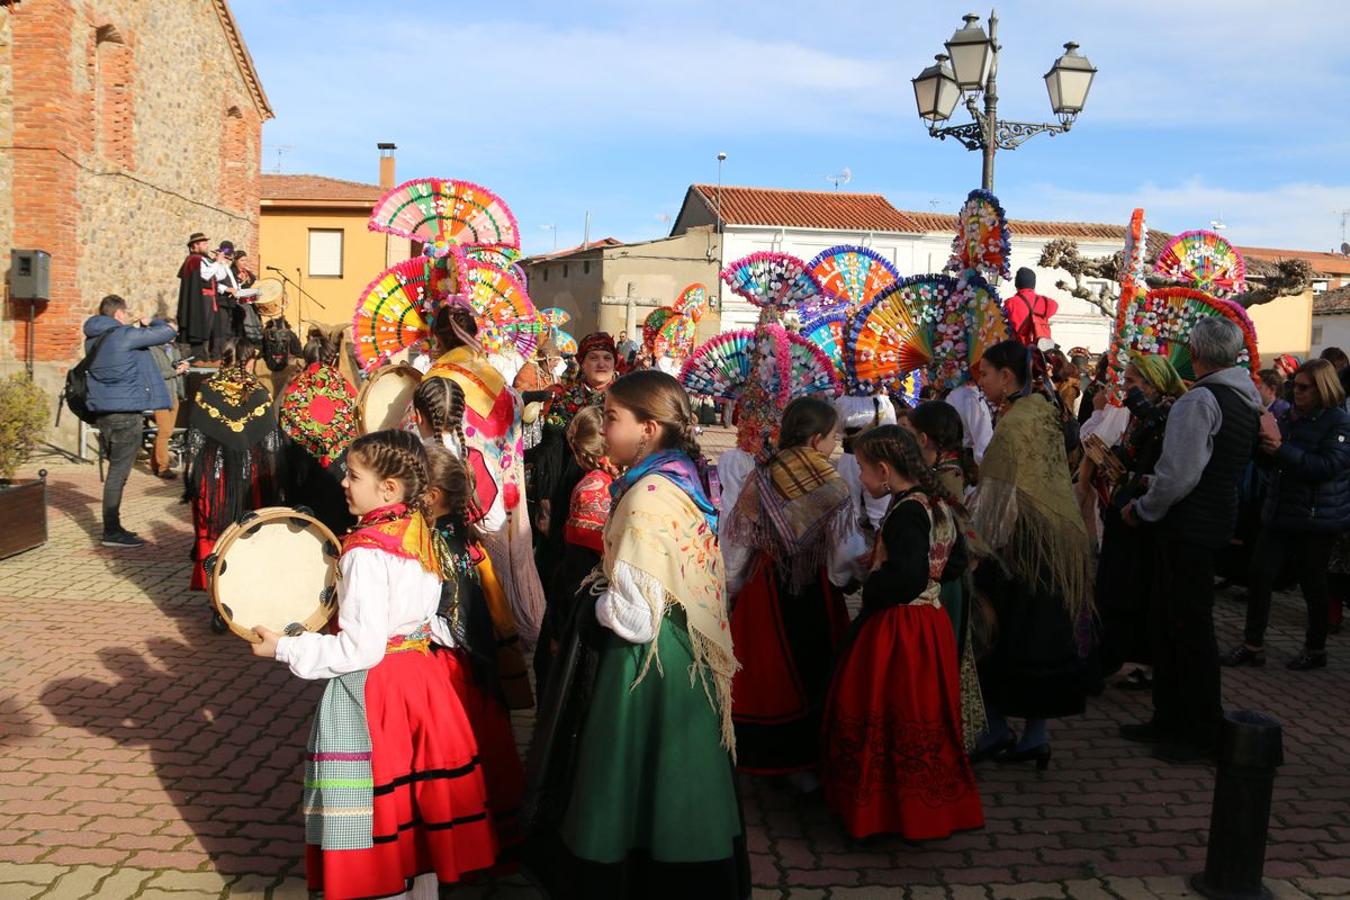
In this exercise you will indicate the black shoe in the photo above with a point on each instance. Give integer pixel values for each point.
(1145, 733)
(1005, 743)
(1242, 655)
(1040, 753)
(122, 538)
(218, 624)
(1308, 659)
(1184, 753)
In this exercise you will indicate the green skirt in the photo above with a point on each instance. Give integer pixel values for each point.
(652, 778)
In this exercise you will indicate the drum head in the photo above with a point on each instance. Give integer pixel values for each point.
(277, 568)
(271, 299)
(385, 400)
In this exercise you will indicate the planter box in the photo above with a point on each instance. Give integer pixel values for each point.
(23, 510)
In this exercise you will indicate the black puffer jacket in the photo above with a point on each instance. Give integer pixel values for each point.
(1310, 481)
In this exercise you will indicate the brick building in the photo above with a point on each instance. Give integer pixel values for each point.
(125, 125)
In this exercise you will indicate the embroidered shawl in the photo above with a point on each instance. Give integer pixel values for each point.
(318, 412)
(589, 509)
(233, 409)
(398, 530)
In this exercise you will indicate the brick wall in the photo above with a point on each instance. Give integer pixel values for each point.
(125, 125)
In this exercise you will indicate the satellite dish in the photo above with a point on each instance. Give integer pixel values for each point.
(1345, 248)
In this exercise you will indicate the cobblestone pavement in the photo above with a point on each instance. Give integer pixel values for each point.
(143, 756)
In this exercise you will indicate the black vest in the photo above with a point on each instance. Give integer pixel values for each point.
(1207, 516)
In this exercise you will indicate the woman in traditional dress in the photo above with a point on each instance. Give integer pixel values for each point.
(646, 804)
(1124, 574)
(235, 454)
(439, 413)
(786, 545)
(492, 426)
(556, 472)
(1025, 511)
(317, 414)
(394, 796)
(895, 762)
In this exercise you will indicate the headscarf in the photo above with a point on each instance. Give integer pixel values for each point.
(318, 412)
(596, 340)
(1159, 372)
(676, 467)
(796, 509)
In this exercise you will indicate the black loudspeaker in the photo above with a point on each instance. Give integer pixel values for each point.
(30, 274)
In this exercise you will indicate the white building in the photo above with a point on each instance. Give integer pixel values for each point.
(803, 223)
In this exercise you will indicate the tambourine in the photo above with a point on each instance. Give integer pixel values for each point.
(271, 297)
(276, 567)
(385, 400)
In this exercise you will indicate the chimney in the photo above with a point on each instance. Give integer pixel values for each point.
(387, 165)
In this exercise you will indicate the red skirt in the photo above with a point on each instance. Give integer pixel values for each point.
(894, 759)
(430, 803)
(491, 723)
(786, 644)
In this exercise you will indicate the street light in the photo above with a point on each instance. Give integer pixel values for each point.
(936, 91)
(1068, 82)
(973, 71)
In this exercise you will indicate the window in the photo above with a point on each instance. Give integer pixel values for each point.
(544, 269)
(325, 253)
(1316, 335)
(585, 268)
(564, 270)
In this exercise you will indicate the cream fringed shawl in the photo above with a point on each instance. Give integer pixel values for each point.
(1025, 507)
(658, 542)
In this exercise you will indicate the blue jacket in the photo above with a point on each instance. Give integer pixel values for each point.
(1310, 482)
(125, 377)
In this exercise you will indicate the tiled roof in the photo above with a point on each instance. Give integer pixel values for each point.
(1332, 302)
(1322, 263)
(317, 187)
(802, 209)
(929, 222)
(243, 59)
(559, 254)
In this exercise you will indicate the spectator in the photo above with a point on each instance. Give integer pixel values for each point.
(627, 347)
(1307, 506)
(1029, 311)
(124, 383)
(171, 367)
(1193, 499)
(1270, 385)
(1336, 356)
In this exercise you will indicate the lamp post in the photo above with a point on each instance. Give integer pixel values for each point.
(969, 68)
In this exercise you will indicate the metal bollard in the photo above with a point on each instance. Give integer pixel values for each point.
(1250, 750)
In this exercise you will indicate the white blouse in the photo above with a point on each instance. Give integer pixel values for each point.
(379, 596)
(632, 605)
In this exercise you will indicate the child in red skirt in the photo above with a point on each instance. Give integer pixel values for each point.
(394, 795)
(894, 757)
(467, 643)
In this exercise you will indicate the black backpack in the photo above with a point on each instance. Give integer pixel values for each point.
(76, 392)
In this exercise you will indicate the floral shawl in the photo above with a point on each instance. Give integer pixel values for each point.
(398, 530)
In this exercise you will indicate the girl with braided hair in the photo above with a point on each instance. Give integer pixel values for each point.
(438, 412)
(466, 640)
(642, 802)
(894, 757)
(788, 554)
(392, 763)
(491, 425)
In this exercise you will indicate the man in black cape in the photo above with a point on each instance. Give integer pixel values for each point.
(197, 309)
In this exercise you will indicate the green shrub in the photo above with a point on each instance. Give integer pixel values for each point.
(23, 422)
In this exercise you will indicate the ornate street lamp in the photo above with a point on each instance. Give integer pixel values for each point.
(973, 70)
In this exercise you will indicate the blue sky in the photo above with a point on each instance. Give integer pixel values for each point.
(1201, 110)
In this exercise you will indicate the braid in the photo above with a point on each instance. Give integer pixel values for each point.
(440, 402)
(898, 448)
(397, 455)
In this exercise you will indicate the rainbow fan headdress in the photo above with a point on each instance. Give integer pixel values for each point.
(983, 243)
(779, 281)
(500, 301)
(440, 211)
(854, 274)
(395, 309)
(693, 301)
(1160, 322)
(722, 366)
(1205, 261)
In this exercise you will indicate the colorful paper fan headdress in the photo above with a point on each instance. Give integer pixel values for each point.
(440, 212)
(1160, 322)
(830, 333)
(722, 366)
(396, 308)
(692, 301)
(983, 243)
(853, 274)
(779, 281)
(1205, 261)
(651, 326)
(675, 336)
(500, 301)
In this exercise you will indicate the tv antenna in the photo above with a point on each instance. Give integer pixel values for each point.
(843, 177)
(1218, 224)
(1345, 218)
(280, 149)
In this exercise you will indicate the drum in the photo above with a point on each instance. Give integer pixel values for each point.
(385, 400)
(276, 567)
(271, 299)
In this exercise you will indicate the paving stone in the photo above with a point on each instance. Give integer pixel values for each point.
(209, 882)
(122, 884)
(77, 883)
